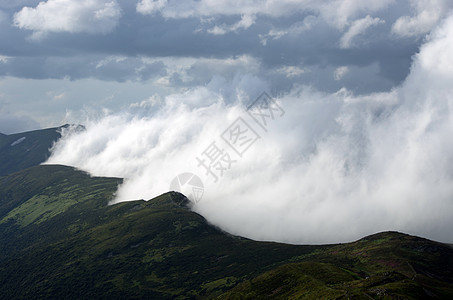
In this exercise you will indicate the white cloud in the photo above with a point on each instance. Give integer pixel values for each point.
(428, 14)
(358, 27)
(150, 6)
(91, 16)
(193, 69)
(245, 22)
(295, 29)
(291, 71)
(336, 12)
(106, 61)
(340, 12)
(150, 102)
(340, 72)
(56, 95)
(334, 168)
(4, 59)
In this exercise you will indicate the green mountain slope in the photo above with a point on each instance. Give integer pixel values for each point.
(154, 249)
(387, 265)
(23, 150)
(60, 239)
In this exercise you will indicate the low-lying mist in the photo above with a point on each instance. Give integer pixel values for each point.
(331, 168)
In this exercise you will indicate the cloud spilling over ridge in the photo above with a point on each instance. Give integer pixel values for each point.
(333, 168)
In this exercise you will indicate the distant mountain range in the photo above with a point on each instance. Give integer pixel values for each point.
(23, 150)
(60, 239)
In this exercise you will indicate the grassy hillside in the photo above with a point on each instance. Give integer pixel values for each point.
(387, 265)
(27, 149)
(154, 249)
(60, 239)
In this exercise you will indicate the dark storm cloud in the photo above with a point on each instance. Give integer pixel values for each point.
(307, 39)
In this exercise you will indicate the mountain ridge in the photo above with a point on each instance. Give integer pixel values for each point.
(58, 231)
(23, 150)
(56, 226)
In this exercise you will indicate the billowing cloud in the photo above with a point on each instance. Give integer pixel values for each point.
(333, 167)
(91, 16)
(355, 152)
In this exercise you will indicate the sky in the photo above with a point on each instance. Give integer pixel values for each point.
(63, 56)
(360, 109)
